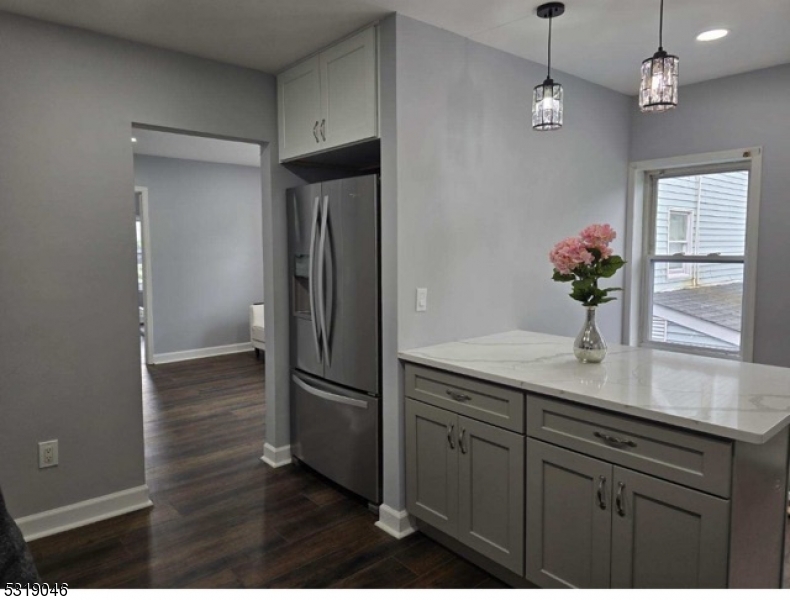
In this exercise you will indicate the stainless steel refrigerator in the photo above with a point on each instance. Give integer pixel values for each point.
(333, 238)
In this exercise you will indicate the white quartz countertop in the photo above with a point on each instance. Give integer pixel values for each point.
(735, 400)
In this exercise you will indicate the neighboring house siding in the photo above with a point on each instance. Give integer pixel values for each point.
(711, 211)
(678, 334)
(717, 204)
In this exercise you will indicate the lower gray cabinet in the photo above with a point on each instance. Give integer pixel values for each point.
(569, 518)
(594, 525)
(432, 465)
(491, 492)
(466, 478)
(667, 536)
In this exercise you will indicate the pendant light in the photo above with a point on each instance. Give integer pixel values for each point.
(659, 89)
(547, 97)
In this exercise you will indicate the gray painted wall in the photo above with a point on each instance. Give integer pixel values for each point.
(392, 405)
(481, 198)
(206, 257)
(726, 114)
(69, 359)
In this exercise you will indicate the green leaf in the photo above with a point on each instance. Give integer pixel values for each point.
(611, 265)
(561, 277)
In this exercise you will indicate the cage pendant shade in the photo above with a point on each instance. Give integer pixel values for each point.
(547, 97)
(547, 106)
(659, 89)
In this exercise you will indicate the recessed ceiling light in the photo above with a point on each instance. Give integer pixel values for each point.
(134, 140)
(713, 34)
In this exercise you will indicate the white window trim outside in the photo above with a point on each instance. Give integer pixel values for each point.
(638, 221)
(684, 272)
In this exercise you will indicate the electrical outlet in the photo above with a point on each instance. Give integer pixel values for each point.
(47, 454)
(422, 299)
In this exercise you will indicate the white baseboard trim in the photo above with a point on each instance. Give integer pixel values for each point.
(170, 357)
(396, 523)
(54, 521)
(276, 457)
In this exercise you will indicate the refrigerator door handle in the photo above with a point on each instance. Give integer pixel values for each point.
(330, 280)
(313, 315)
(329, 395)
(322, 279)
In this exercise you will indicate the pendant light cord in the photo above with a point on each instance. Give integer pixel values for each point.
(548, 75)
(660, 28)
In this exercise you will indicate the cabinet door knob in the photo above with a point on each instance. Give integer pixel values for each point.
(601, 492)
(315, 132)
(619, 500)
(615, 441)
(323, 129)
(461, 441)
(450, 436)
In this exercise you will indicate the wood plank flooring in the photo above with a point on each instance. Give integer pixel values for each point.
(223, 519)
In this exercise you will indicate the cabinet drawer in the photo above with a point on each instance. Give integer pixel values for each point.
(693, 460)
(486, 402)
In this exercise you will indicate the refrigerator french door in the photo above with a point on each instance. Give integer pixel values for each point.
(334, 269)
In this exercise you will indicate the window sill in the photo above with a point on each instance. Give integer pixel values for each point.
(712, 353)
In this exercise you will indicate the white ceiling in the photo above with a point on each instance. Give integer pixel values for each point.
(599, 40)
(190, 147)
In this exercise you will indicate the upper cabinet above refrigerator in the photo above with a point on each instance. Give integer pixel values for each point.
(331, 99)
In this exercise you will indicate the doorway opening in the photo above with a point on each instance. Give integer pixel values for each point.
(199, 244)
(199, 231)
(144, 292)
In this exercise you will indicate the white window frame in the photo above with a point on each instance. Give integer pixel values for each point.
(639, 243)
(685, 270)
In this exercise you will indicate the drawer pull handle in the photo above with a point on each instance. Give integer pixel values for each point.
(461, 441)
(615, 441)
(450, 436)
(602, 493)
(315, 132)
(619, 500)
(458, 396)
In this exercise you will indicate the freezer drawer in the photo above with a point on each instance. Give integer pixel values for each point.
(336, 432)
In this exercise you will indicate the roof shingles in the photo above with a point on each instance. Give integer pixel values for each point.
(718, 304)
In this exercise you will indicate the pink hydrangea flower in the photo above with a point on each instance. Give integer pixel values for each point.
(569, 254)
(599, 237)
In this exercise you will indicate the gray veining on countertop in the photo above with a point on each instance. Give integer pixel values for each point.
(735, 400)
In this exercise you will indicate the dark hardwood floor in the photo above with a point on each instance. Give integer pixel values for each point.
(222, 518)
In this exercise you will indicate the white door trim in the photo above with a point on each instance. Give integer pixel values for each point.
(148, 318)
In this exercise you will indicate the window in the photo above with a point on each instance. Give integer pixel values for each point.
(139, 255)
(679, 241)
(694, 258)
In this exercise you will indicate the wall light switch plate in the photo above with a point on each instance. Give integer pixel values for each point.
(422, 299)
(47, 454)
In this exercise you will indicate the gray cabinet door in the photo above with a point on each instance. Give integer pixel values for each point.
(299, 109)
(665, 535)
(491, 492)
(432, 465)
(349, 90)
(568, 518)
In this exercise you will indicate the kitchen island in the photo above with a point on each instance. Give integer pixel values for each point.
(652, 469)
